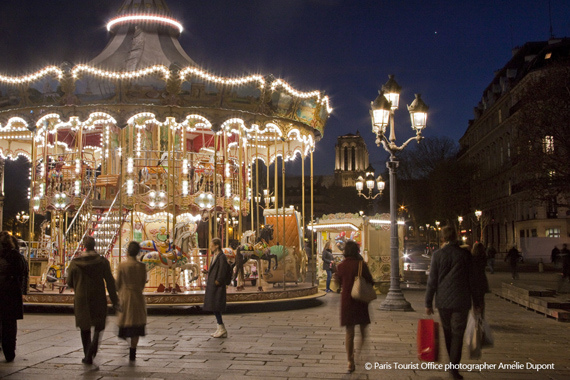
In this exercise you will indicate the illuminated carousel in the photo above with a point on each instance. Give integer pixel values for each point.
(142, 144)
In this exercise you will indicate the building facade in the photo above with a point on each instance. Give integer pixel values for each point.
(492, 146)
(351, 159)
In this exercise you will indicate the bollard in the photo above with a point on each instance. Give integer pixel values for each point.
(540, 266)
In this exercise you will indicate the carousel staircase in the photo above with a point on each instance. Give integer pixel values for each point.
(107, 228)
(104, 227)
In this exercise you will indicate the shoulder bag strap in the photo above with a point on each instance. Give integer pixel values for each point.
(360, 269)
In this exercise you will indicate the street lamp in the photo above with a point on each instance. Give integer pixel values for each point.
(371, 183)
(478, 214)
(382, 112)
(267, 198)
(22, 217)
(437, 231)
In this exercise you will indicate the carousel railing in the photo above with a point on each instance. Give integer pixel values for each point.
(80, 225)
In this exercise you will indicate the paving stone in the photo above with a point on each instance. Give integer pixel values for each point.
(291, 344)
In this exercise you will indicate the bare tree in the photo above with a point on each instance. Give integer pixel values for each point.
(542, 138)
(433, 184)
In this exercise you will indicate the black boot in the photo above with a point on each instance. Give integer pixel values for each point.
(132, 354)
(86, 341)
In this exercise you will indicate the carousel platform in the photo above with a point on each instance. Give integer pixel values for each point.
(251, 294)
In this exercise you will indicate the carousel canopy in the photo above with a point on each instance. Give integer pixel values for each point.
(144, 79)
(144, 34)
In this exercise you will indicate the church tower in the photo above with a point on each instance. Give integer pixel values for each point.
(351, 159)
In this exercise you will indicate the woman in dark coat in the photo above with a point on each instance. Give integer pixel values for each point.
(215, 297)
(328, 259)
(352, 312)
(131, 281)
(87, 275)
(13, 283)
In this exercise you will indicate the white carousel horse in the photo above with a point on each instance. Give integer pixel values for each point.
(173, 255)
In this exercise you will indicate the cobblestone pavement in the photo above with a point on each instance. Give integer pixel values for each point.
(276, 342)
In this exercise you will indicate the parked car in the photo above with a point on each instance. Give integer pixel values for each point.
(417, 257)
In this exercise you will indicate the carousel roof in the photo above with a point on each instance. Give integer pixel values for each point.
(133, 82)
(144, 34)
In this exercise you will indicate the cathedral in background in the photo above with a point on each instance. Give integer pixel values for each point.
(351, 159)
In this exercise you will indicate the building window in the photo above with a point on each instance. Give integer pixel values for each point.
(553, 232)
(533, 232)
(345, 158)
(548, 144)
(508, 149)
(353, 159)
(502, 152)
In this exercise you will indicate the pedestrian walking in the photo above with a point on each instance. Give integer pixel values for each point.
(352, 312)
(513, 257)
(13, 284)
(328, 260)
(88, 275)
(491, 253)
(215, 297)
(131, 281)
(452, 283)
(479, 262)
(555, 255)
(565, 258)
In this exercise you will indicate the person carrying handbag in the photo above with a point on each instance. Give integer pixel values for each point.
(352, 312)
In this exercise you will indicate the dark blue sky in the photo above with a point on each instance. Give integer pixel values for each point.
(446, 50)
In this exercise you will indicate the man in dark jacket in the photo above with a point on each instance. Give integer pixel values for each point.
(13, 283)
(452, 283)
(87, 275)
(513, 257)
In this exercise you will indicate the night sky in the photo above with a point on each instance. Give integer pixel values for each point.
(446, 50)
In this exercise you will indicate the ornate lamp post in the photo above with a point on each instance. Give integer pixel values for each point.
(371, 183)
(22, 218)
(382, 114)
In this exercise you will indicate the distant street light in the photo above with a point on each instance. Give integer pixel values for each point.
(382, 113)
(478, 214)
(437, 231)
(371, 183)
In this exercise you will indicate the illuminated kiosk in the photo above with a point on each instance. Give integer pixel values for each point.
(140, 143)
(372, 233)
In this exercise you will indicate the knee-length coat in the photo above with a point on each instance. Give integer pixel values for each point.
(352, 312)
(215, 297)
(13, 283)
(87, 275)
(131, 281)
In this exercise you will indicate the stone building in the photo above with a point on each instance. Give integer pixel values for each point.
(509, 213)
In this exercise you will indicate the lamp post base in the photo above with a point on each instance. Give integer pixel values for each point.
(395, 301)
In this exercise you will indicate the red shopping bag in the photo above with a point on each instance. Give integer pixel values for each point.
(428, 340)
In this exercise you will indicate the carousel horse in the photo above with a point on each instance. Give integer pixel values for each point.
(172, 255)
(255, 249)
(149, 173)
(261, 248)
